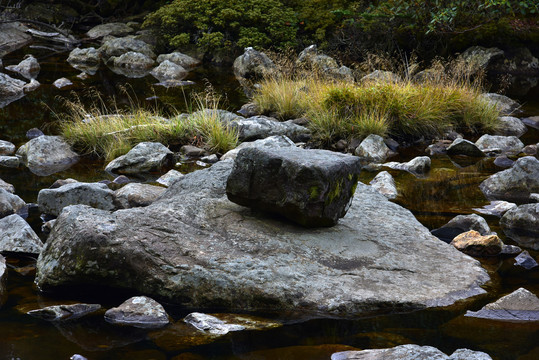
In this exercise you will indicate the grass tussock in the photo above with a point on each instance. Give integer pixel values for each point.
(443, 100)
(108, 132)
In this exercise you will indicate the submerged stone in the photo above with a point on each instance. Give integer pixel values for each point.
(64, 312)
(409, 352)
(520, 305)
(139, 311)
(525, 260)
(522, 225)
(46, 155)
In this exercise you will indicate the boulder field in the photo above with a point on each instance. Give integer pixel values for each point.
(196, 248)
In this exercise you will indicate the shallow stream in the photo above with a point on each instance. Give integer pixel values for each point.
(450, 189)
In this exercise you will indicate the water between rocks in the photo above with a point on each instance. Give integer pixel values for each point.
(450, 189)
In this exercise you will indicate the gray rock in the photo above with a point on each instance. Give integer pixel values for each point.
(503, 161)
(119, 46)
(131, 64)
(121, 180)
(7, 186)
(61, 182)
(464, 147)
(62, 83)
(514, 184)
(505, 105)
(193, 151)
(31, 86)
(52, 201)
(253, 65)
(249, 109)
(511, 126)
(10, 89)
(534, 197)
(525, 260)
(10, 203)
(417, 166)
(18, 236)
(6, 148)
(46, 155)
(310, 187)
(144, 157)
(460, 224)
(3, 277)
(260, 127)
(477, 58)
(138, 311)
(168, 70)
(86, 60)
(64, 312)
(135, 194)
(381, 76)
(9, 161)
(402, 352)
(13, 36)
(510, 250)
(183, 60)
(210, 159)
(378, 258)
(114, 29)
(211, 324)
(532, 121)
(276, 141)
(530, 149)
(28, 68)
(467, 354)
(170, 177)
(384, 183)
(506, 144)
(496, 208)
(373, 149)
(77, 357)
(311, 58)
(520, 305)
(522, 225)
(33, 133)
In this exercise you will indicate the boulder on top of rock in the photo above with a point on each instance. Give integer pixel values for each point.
(144, 157)
(64, 312)
(464, 147)
(271, 142)
(474, 244)
(499, 144)
(18, 236)
(52, 201)
(373, 149)
(522, 225)
(460, 224)
(46, 155)
(10, 203)
(310, 187)
(253, 65)
(183, 60)
(520, 305)
(114, 29)
(138, 311)
(260, 127)
(514, 184)
(511, 126)
(505, 105)
(136, 194)
(167, 70)
(28, 68)
(409, 352)
(384, 183)
(417, 166)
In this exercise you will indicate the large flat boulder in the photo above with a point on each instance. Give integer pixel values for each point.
(196, 248)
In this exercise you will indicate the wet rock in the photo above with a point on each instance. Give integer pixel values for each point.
(46, 228)
(311, 58)
(503, 161)
(86, 60)
(62, 83)
(373, 149)
(10, 88)
(211, 324)
(409, 352)
(77, 357)
(64, 312)
(61, 182)
(170, 177)
(534, 197)
(496, 208)
(34, 133)
(511, 126)
(13, 36)
(460, 224)
(9, 161)
(510, 250)
(276, 141)
(522, 225)
(139, 311)
(168, 70)
(260, 127)
(505, 105)
(210, 159)
(310, 187)
(257, 261)
(131, 64)
(135, 194)
(31, 86)
(532, 121)
(474, 244)
(119, 46)
(121, 180)
(417, 166)
(253, 65)
(6, 148)
(52, 201)
(381, 76)
(18, 236)
(3, 277)
(505, 144)
(46, 155)
(439, 147)
(192, 151)
(530, 149)
(7, 186)
(525, 260)
(10, 203)
(384, 183)
(477, 58)
(514, 184)
(464, 147)
(28, 68)
(249, 109)
(144, 157)
(114, 29)
(183, 60)
(520, 305)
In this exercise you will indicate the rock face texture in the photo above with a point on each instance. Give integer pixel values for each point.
(253, 65)
(520, 305)
(144, 157)
(417, 166)
(385, 185)
(410, 352)
(460, 224)
(17, 236)
(64, 312)
(135, 194)
(195, 247)
(9, 203)
(310, 187)
(474, 244)
(498, 143)
(45, 155)
(28, 68)
(464, 147)
(138, 311)
(373, 149)
(522, 225)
